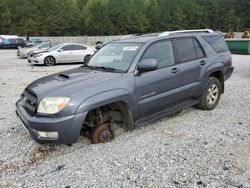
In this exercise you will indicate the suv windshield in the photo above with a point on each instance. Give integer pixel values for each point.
(115, 56)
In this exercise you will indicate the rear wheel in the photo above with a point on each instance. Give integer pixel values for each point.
(211, 94)
(86, 58)
(49, 61)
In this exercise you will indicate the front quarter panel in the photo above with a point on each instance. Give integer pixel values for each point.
(108, 97)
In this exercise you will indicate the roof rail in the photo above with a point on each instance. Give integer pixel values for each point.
(140, 35)
(166, 33)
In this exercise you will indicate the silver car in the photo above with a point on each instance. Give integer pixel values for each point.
(62, 53)
(23, 52)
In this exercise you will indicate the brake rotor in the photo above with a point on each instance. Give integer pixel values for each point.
(102, 134)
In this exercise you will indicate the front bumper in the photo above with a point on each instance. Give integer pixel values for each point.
(68, 127)
(37, 60)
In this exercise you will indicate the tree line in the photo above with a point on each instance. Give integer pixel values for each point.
(114, 17)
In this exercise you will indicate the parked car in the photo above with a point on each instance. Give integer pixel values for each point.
(3, 37)
(62, 53)
(34, 41)
(23, 52)
(12, 43)
(133, 81)
(246, 34)
(99, 45)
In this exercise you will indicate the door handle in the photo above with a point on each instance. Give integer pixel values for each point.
(175, 70)
(203, 62)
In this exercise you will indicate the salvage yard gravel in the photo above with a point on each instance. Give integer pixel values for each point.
(193, 148)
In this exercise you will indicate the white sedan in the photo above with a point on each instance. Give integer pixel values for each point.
(62, 53)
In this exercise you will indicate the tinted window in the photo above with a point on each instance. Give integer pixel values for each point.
(20, 40)
(216, 42)
(162, 52)
(198, 49)
(12, 40)
(79, 47)
(68, 48)
(185, 49)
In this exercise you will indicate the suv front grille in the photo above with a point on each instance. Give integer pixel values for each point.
(29, 100)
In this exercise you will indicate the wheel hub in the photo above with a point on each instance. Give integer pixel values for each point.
(102, 134)
(213, 93)
(105, 136)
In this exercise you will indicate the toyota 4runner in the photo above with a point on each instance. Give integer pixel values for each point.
(130, 82)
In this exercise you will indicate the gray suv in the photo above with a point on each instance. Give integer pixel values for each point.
(129, 83)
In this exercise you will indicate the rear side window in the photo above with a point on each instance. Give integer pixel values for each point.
(162, 52)
(68, 48)
(198, 49)
(185, 49)
(216, 42)
(79, 47)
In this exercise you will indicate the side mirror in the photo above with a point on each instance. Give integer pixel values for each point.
(148, 65)
(60, 50)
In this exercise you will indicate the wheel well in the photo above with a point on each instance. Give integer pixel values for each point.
(88, 55)
(106, 111)
(220, 77)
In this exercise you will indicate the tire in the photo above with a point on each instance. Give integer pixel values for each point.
(49, 61)
(86, 58)
(210, 95)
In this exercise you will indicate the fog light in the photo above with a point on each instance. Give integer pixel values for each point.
(42, 134)
(52, 135)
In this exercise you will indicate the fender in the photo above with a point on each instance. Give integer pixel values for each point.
(108, 97)
(215, 67)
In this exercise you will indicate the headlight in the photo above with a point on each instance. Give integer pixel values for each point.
(52, 105)
(38, 55)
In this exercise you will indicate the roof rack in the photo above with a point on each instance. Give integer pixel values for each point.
(140, 35)
(166, 33)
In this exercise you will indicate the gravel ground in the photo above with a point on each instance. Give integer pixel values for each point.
(192, 149)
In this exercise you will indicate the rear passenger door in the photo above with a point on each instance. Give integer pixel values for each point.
(158, 89)
(191, 59)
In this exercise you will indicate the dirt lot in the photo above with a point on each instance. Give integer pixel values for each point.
(193, 149)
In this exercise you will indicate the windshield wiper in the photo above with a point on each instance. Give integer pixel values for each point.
(108, 69)
(105, 68)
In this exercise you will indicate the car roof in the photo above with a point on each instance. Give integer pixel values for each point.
(72, 44)
(168, 34)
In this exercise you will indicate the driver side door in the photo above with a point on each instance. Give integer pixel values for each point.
(65, 54)
(158, 89)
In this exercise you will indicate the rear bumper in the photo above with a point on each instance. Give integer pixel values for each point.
(68, 127)
(228, 72)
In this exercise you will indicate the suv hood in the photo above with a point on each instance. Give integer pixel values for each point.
(69, 83)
